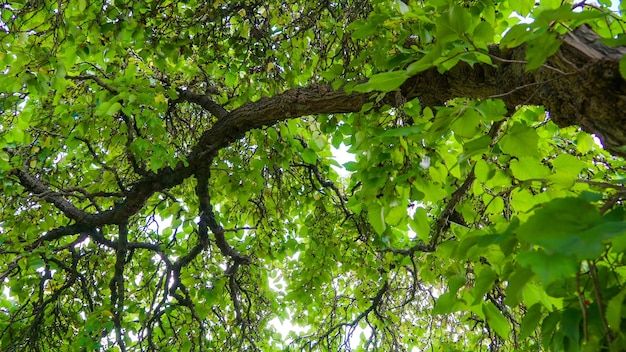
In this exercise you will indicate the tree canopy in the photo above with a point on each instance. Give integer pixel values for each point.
(170, 179)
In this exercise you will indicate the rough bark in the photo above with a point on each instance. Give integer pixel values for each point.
(579, 85)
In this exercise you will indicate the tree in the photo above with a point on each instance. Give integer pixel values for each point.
(169, 180)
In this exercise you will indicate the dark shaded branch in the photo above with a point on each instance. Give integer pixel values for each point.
(97, 158)
(243, 228)
(204, 101)
(117, 284)
(233, 287)
(443, 220)
(42, 191)
(376, 301)
(202, 191)
(592, 94)
(94, 78)
(328, 184)
(457, 196)
(61, 232)
(97, 237)
(133, 131)
(605, 185)
(207, 219)
(597, 290)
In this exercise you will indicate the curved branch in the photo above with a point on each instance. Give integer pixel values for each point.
(594, 98)
(204, 101)
(376, 301)
(117, 284)
(40, 190)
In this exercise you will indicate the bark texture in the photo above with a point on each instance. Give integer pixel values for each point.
(579, 85)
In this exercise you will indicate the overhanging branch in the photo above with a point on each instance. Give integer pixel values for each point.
(592, 95)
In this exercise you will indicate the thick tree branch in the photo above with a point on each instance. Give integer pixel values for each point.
(118, 290)
(204, 101)
(592, 94)
(40, 190)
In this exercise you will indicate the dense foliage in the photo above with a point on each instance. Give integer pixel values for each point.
(169, 179)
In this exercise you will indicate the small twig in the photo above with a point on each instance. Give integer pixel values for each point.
(38, 189)
(117, 284)
(524, 62)
(205, 102)
(97, 158)
(583, 307)
(442, 220)
(243, 228)
(94, 78)
(599, 301)
(609, 203)
(524, 86)
(602, 184)
(328, 184)
(376, 301)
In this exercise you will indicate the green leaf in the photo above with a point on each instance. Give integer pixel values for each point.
(448, 303)
(570, 325)
(526, 168)
(5, 165)
(484, 32)
(383, 82)
(517, 281)
(351, 166)
(458, 21)
(557, 219)
(549, 267)
(570, 226)
(108, 109)
(396, 215)
(548, 326)
(522, 7)
(614, 311)
(309, 156)
(496, 320)
(531, 321)
(363, 29)
(484, 283)
(419, 223)
(376, 217)
(520, 141)
(540, 48)
(568, 169)
(492, 110)
(516, 35)
(427, 61)
(476, 146)
(468, 124)
(402, 7)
